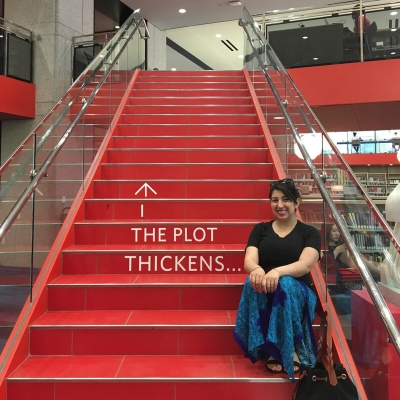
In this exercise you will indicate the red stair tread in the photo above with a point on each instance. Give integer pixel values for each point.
(148, 318)
(156, 279)
(141, 367)
(156, 247)
(167, 221)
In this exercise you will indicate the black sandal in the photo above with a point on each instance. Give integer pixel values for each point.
(273, 371)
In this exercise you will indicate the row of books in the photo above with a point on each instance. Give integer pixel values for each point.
(361, 220)
(374, 241)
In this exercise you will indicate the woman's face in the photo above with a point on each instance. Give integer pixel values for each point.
(334, 234)
(282, 207)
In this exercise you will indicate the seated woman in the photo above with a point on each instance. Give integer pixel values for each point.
(276, 310)
(337, 257)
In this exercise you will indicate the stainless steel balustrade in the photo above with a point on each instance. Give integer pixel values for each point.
(371, 285)
(39, 182)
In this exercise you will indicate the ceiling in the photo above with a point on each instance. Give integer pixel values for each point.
(164, 13)
(196, 30)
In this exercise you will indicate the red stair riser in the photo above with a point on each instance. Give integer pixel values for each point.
(187, 155)
(64, 298)
(183, 189)
(22, 234)
(74, 142)
(156, 79)
(45, 211)
(193, 100)
(127, 340)
(189, 142)
(189, 85)
(189, 109)
(156, 389)
(146, 233)
(190, 93)
(49, 189)
(96, 109)
(200, 74)
(187, 130)
(189, 171)
(188, 119)
(67, 390)
(170, 209)
(153, 262)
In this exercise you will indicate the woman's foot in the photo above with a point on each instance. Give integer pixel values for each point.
(273, 366)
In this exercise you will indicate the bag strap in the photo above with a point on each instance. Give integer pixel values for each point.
(326, 319)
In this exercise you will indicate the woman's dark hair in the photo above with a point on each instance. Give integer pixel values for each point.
(287, 187)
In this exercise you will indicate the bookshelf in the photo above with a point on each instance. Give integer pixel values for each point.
(379, 181)
(306, 183)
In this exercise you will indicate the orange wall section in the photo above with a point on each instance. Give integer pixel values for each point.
(17, 99)
(352, 96)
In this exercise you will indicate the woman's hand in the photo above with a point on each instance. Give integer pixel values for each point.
(256, 279)
(270, 281)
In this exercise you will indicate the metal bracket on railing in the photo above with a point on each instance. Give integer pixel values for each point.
(323, 176)
(33, 173)
(146, 31)
(285, 103)
(83, 100)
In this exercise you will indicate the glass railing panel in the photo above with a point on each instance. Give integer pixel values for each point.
(15, 267)
(16, 46)
(367, 235)
(44, 214)
(335, 37)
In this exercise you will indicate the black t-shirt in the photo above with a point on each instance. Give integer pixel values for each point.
(274, 251)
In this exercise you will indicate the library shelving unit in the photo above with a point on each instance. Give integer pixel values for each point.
(379, 180)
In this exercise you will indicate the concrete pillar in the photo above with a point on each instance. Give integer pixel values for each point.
(54, 23)
(156, 48)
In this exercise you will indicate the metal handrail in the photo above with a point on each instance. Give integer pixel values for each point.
(372, 288)
(4, 25)
(353, 176)
(13, 214)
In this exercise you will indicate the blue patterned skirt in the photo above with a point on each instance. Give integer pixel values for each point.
(277, 324)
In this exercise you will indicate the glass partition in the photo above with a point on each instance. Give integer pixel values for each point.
(16, 43)
(360, 250)
(333, 36)
(62, 149)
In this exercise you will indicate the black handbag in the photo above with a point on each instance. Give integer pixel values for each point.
(320, 383)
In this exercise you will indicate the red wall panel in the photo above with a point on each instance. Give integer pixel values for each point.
(17, 99)
(352, 96)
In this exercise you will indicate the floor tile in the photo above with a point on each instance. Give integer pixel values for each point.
(68, 367)
(183, 279)
(67, 318)
(176, 367)
(178, 317)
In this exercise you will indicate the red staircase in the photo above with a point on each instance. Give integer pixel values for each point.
(145, 305)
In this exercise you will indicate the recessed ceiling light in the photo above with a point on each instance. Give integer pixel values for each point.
(218, 35)
(173, 69)
(393, 52)
(315, 58)
(290, 9)
(279, 117)
(394, 29)
(235, 3)
(275, 11)
(241, 56)
(305, 37)
(117, 26)
(393, 13)
(182, 11)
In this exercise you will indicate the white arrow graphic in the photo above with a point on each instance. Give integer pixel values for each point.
(146, 186)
